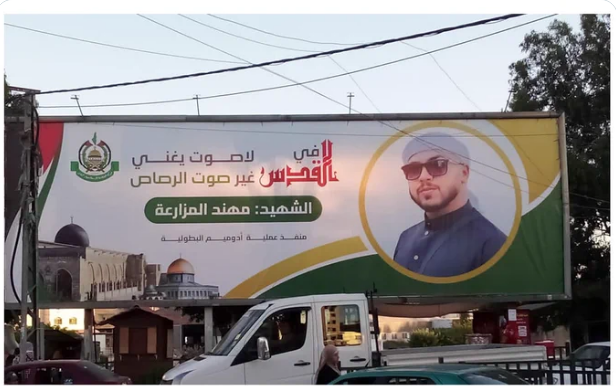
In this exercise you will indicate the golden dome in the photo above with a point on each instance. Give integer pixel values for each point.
(95, 154)
(180, 266)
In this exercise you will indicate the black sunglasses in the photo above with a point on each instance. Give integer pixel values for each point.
(435, 167)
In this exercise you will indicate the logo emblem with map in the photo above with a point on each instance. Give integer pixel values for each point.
(95, 164)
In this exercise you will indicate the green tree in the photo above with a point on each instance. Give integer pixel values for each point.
(567, 71)
(13, 105)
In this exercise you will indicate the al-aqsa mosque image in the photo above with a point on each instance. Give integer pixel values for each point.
(72, 270)
(179, 283)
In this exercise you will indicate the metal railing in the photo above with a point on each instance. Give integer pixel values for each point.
(556, 372)
(547, 372)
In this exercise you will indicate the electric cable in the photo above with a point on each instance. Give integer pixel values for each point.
(447, 75)
(352, 78)
(337, 101)
(282, 36)
(248, 39)
(384, 123)
(312, 80)
(118, 47)
(286, 60)
(354, 81)
(429, 144)
(295, 38)
(290, 49)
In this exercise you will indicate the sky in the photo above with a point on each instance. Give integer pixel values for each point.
(480, 69)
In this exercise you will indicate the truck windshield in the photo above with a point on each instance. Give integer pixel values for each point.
(236, 333)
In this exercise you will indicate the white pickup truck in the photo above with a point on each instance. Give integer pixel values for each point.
(280, 342)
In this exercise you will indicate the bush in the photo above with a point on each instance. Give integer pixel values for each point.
(424, 338)
(453, 336)
(440, 336)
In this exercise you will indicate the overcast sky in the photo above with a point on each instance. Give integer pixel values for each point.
(479, 68)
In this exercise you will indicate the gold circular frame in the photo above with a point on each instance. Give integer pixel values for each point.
(424, 278)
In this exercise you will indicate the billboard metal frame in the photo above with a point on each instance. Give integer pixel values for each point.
(567, 290)
(301, 118)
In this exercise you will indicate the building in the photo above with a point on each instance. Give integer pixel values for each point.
(143, 344)
(71, 270)
(179, 283)
(342, 325)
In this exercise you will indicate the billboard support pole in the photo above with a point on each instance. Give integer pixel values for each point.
(562, 144)
(208, 332)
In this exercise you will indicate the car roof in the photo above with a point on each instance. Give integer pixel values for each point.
(602, 344)
(54, 362)
(453, 368)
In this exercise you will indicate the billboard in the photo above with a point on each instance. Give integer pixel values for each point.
(428, 206)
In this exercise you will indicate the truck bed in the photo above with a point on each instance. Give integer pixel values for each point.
(463, 353)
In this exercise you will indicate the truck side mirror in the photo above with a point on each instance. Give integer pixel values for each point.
(263, 351)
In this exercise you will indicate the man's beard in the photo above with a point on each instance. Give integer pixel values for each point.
(448, 197)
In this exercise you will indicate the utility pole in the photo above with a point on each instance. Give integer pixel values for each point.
(29, 213)
(508, 98)
(76, 99)
(350, 95)
(196, 97)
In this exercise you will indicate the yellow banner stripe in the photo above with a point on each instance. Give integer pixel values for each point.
(539, 153)
(295, 264)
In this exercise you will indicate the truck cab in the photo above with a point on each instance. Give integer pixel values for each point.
(280, 342)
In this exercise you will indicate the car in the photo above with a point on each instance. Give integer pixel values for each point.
(592, 360)
(61, 372)
(441, 374)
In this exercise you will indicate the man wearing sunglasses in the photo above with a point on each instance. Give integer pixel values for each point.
(454, 237)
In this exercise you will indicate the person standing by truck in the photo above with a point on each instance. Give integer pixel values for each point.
(328, 366)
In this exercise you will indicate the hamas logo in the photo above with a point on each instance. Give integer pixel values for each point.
(95, 163)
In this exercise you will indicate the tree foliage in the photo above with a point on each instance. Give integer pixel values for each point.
(13, 105)
(569, 72)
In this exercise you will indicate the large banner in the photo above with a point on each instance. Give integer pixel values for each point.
(157, 209)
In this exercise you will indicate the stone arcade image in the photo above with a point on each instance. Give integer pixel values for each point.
(72, 270)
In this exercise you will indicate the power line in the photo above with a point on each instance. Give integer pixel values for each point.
(331, 99)
(240, 58)
(282, 36)
(352, 78)
(308, 88)
(373, 105)
(356, 84)
(127, 104)
(288, 48)
(359, 112)
(287, 60)
(296, 38)
(323, 78)
(245, 38)
(118, 47)
(446, 74)
(317, 92)
(285, 48)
